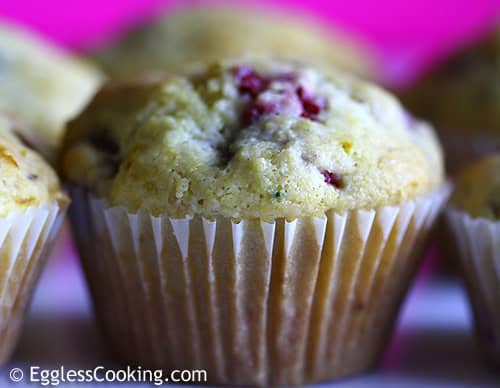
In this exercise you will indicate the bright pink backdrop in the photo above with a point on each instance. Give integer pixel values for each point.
(408, 34)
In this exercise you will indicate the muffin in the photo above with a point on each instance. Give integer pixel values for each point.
(197, 35)
(31, 210)
(462, 99)
(42, 87)
(474, 219)
(258, 220)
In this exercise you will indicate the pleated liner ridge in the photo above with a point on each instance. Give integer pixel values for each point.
(253, 303)
(478, 242)
(25, 239)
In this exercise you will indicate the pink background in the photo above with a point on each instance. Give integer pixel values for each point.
(408, 35)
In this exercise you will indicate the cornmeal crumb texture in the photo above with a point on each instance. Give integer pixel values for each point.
(262, 140)
(25, 178)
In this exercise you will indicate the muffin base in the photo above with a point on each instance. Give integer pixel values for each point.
(478, 244)
(252, 303)
(25, 240)
(460, 150)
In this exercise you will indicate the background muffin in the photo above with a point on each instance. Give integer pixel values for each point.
(478, 189)
(474, 217)
(462, 99)
(239, 207)
(42, 87)
(201, 35)
(31, 207)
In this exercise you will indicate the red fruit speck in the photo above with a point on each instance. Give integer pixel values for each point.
(301, 93)
(249, 81)
(334, 179)
(252, 84)
(311, 107)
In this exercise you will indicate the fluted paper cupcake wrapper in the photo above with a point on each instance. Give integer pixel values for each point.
(461, 149)
(253, 303)
(478, 242)
(25, 238)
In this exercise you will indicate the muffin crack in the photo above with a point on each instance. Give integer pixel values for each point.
(225, 149)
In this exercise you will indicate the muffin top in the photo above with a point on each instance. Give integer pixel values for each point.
(189, 37)
(477, 189)
(464, 92)
(42, 87)
(266, 140)
(27, 180)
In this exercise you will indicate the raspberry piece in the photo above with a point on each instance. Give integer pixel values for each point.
(253, 85)
(249, 82)
(311, 107)
(334, 179)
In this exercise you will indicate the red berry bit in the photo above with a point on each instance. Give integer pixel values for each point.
(334, 179)
(253, 85)
(249, 82)
(311, 107)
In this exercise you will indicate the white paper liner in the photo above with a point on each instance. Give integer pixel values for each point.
(25, 238)
(253, 303)
(478, 242)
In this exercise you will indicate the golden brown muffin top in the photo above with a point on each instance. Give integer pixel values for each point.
(263, 140)
(26, 179)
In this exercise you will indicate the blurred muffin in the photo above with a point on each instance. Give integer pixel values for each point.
(31, 209)
(241, 206)
(478, 189)
(462, 99)
(474, 218)
(42, 87)
(192, 37)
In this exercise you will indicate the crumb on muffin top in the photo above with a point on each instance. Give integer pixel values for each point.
(464, 92)
(26, 179)
(477, 189)
(42, 86)
(263, 140)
